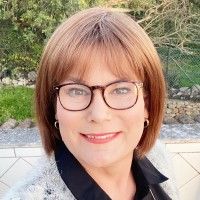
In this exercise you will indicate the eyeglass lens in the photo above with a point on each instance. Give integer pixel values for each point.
(120, 95)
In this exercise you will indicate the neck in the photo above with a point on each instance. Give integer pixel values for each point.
(116, 179)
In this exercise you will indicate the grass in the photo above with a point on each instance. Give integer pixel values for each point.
(182, 70)
(16, 103)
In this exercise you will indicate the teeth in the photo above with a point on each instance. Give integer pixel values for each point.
(100, 136)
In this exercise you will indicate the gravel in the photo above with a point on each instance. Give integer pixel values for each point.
(19, 137)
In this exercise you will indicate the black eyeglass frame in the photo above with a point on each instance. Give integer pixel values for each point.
(102, 88)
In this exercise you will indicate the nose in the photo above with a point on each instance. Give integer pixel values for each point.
(98, 111)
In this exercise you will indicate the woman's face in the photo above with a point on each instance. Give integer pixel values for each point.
(121, 129)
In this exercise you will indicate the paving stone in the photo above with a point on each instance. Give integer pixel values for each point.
(16, 172)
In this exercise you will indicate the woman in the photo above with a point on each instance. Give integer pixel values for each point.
(99, 103)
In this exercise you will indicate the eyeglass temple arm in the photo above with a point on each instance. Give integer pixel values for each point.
(140, 85)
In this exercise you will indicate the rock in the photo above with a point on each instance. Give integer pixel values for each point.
(196, 86)
(197, 118)
(197, 97)
(171, 105)
(180, 103)
(31, 86)
(184, 89)
(195, 90)
(183, 98)
(10, 124)
(175, 96)
(7, 81)
(176, 110)
(185, 119)
(32, 76)
(195, 112)
(22, 82)
(15, 82)
(174, 90)
(169, 120)
(168, 111)
(183, 93)
(21, 75)
(179, 94)
(27, 123)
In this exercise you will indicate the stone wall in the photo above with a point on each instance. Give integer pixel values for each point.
(182, 111)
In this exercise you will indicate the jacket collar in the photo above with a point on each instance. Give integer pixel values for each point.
(144, 169)
(84, 187)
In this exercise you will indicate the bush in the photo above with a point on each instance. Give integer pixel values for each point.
(25, 26)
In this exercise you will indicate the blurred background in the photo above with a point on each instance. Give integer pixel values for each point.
(173, 26)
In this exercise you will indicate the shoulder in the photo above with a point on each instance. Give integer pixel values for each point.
(161, 159)
(43, 182)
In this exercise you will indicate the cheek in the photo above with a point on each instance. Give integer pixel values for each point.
(136, 114)
(67, 121)
(134, 120)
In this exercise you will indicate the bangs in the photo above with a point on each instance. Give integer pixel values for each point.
(121, 60)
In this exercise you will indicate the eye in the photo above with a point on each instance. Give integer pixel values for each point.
(122, 90)
(77, 92)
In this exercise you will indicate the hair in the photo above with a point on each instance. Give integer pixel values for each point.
(126, 49)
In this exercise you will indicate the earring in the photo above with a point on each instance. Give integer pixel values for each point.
(56, 124)
(146, 123)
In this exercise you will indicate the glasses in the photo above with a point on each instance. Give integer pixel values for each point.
(119, 95)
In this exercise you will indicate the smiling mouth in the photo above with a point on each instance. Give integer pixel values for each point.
(100, 138)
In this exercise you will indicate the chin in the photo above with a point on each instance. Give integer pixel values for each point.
(99, 161)
(100, 164)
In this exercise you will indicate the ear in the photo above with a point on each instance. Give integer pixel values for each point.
(56, 116)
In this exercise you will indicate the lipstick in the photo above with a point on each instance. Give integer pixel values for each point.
(100, 138)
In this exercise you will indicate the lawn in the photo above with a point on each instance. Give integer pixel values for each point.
(16, 103)
(181, 69)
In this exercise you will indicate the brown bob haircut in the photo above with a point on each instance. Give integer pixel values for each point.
(126, 49)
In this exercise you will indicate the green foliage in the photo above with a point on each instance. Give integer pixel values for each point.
(16, 102)
(90, 3)
(26, 25)
(15, 53)
(37, 19)
(141, 5)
